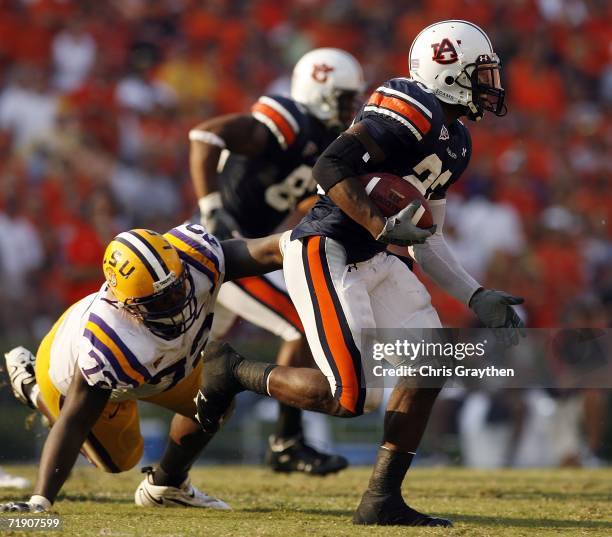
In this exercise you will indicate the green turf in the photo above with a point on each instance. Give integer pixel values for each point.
(481, 503)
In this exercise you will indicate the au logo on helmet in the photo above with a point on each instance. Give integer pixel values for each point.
(319, 72)
(444, 52)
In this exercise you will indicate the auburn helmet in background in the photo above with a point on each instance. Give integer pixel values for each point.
(144, 272)
(327, 81)
(455, 60)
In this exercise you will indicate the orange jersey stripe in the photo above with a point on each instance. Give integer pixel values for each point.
(117, 352)
(331, 326)
(273, 298)
(403, 109)
(281, 123)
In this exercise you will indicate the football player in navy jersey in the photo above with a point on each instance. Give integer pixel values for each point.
(252, 172)
(342, 280)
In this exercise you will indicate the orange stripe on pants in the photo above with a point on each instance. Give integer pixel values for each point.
(276, 301)
(341, 353)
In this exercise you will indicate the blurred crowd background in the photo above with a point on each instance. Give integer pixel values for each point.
(96, 99)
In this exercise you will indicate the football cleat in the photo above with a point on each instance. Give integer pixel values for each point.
(12, 481)
(391, 510)
(20, 367)
(294, 455)
(219, 386)
(186, 495)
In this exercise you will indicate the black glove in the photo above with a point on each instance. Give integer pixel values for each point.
(494, 309)
(400, 230)
(21, 507)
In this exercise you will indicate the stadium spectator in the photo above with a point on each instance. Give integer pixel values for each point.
(130, 77)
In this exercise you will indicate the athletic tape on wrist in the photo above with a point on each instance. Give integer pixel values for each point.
(210, 202)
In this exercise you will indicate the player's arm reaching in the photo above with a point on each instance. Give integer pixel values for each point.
(336, 172)
(81, 409)
(239, 133)
(492, 307)
(251, 257)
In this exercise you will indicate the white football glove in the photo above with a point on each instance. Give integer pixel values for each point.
(215, 219)
(400, 230)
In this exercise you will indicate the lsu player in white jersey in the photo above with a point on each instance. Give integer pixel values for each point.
(140, 337)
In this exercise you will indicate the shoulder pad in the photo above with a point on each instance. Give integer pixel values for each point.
(407, 102)
(282, 116)
(199, 249)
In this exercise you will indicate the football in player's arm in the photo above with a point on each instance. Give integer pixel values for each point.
(409, 127)
(428, 246)
(158, 296)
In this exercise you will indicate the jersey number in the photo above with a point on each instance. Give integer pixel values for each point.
(284, 196)
(433, 165)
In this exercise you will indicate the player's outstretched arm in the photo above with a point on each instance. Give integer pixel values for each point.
(82, 408)
(239, 133)
(251, 257)
(493, 308)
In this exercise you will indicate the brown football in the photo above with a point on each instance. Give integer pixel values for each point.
(391, 193)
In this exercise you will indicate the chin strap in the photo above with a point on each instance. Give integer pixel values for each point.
(474, 114)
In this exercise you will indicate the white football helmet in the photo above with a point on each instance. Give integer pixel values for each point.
(327, 81)
(456, 61)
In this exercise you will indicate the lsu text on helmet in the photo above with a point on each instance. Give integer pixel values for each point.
(144, 272)
(455, 60)
(327, 81)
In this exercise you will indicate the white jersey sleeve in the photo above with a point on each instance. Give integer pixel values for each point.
(200, 250)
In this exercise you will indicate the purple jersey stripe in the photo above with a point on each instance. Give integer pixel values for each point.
(108, 354)
(98, 367)
(131, 358)
(196, 246)
(197, 265)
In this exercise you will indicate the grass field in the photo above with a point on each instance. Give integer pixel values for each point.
(481, 503)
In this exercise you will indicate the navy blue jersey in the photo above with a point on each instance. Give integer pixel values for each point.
(407, 122)
(260, 192)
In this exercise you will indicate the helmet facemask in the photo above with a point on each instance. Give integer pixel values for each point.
(485, 87)
(169, 312)
(343, 106)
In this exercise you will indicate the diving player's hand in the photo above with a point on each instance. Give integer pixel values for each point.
(400, 230)
(22, 507)
(494, 309)
(215, 219)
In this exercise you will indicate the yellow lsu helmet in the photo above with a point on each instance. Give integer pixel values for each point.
(146, 275)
